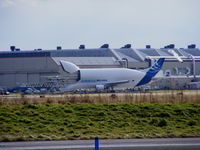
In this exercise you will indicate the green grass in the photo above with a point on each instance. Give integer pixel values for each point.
(86, 121)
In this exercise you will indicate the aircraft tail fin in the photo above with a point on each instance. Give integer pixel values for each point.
(152, 71)
(69, 67)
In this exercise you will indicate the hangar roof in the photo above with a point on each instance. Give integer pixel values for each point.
(101, 52)
(130, 59)
(148, 52)
(24, 54)
(129, 52)
(194, 52)
(89, 61)
(133, 55)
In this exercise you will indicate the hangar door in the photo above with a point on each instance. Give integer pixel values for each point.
(33, 78)
(21, 79)
(7, 80)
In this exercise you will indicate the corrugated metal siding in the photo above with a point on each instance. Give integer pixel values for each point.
(33, 78)
(21, 79)
(21, 65)
(7, 80)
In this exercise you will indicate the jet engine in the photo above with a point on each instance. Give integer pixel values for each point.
(100, 87)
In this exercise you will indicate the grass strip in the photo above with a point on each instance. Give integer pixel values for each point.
(86, 121)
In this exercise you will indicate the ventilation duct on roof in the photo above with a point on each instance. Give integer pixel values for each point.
(148, 46)
(170, 46)
(17, 49)
(171, 51)
(127, 46)
(82, 47)
(12, 48)
(105, 46)
(192, 46)
(59, 47)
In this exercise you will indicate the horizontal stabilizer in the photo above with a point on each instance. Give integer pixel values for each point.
(69, 67)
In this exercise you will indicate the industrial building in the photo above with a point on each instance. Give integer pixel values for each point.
(37, 68)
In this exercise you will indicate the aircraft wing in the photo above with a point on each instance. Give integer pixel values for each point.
(110, 84)
(55, 77)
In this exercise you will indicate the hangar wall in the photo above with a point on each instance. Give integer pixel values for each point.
(25, 70)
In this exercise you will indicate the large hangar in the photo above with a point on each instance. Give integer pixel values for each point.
(20, 68)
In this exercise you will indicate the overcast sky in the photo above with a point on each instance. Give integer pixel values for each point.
(30, 24)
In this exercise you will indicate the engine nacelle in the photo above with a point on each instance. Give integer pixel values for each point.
(100, 87)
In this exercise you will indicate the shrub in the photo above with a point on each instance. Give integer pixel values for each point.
(162, 123)
(158, 123)
(192, 122)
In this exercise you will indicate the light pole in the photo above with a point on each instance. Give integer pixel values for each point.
(193, 65)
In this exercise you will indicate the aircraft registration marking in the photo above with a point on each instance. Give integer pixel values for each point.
(98, 80)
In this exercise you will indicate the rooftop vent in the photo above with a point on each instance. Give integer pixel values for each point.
(148, 46)
(127, 46)
(17, 49)
(170, 46)
(59, 47)
(192, 46)
(12, 48)
(105, 46)
(82, 47)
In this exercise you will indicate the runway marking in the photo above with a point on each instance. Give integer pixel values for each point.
(92, 146)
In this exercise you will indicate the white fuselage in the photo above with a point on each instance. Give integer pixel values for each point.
(110, 77)
(90, 78)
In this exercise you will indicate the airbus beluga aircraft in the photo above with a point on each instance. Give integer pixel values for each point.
(106, 78)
